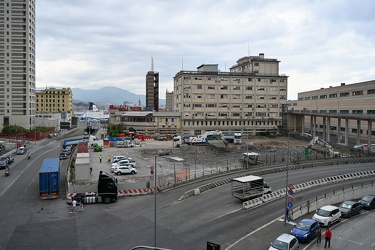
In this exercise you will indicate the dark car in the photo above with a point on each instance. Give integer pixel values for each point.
(62, 156)
(4, 163)
(305, 230)
(368, 202)
(350, 208)
(10, 159)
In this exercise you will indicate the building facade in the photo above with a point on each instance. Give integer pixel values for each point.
(17, 63)
(349, 107)
(53, 100)
(247, 99)
(152, 90)
(168, 100)
(146, 122)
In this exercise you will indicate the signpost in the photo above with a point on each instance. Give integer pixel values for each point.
(290, 198)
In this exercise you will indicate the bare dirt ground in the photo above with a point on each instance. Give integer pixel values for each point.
(205, 159)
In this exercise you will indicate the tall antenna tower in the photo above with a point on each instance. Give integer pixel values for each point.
(152, 63)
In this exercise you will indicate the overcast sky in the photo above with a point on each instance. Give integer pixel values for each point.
(95, 43)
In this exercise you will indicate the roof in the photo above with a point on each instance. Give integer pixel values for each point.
(138, 114)
(329, 207)
(248, 178)
(286, 237)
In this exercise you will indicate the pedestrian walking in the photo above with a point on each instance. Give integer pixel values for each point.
(109, 159)
(74, 205)
(318, 236)
(81, 205)
(328, 238)
(100, 158)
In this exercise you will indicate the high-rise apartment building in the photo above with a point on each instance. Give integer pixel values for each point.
(168, 100)
(17, 62)
(247, 99)
(53, 100)
(152, 90)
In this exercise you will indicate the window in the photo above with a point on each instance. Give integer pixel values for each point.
(249, 79)
(224, 87)
(314, 97)
(371, 112)
(211, 87)
(199, 86)
(332, 95)
(261, 88)
(256, 64)
(323, 96)
(357, 93)
(307, 98)
(357, 112)
(249, 97)
(236, 88)
(249, 88)
(371, 91)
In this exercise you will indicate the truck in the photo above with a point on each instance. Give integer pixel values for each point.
(204, 138)
(107, 191)
(91, 139)
(249, 187)
(237, 138)
(49, 178)
(249, 159)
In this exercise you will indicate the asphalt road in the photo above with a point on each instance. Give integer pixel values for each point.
(30, 223)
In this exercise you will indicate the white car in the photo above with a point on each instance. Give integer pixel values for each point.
(125, 161)
(118, 158)
(285, 241)
(327, 215)
(125, 170)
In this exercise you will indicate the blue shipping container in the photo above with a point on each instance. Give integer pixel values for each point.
(49, 178)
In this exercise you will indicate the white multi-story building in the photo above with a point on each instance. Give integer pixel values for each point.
(17, 62)
(247, 99)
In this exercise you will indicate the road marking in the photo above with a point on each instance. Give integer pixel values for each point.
(253, 232)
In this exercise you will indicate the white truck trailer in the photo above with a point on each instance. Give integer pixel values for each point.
(249, 187)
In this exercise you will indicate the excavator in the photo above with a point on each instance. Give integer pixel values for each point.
(324, 144)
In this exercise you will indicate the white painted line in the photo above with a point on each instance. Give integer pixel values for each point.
(251, 233)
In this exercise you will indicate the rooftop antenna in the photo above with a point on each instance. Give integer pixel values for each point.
(152, 63)
(182, 65)
(139, 102)
(248, 49)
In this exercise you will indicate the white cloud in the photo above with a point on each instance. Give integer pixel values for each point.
(93, 43)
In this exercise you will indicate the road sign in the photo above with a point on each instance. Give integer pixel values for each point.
(151, 177)
(290, 199)
(291, 186)
(290, 192)
(212, 246)
(152, 172)
(152, 168)
(290, 205)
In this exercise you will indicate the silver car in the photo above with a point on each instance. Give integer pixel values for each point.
(285, 242)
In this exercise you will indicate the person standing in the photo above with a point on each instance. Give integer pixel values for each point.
(318, 236)
(74, 205)
(100, 158)
(109, 159)
(81, 205)
(328, 238)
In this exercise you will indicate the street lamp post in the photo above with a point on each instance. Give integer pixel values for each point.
(174, 159)
(286, 184)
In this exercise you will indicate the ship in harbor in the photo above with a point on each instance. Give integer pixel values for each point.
(93, 113)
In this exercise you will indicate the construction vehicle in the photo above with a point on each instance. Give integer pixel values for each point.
(237, 138)
(177, 141)
(249, 187)
(203, 139)
(249, 159)
(324, 144)
(364, 148)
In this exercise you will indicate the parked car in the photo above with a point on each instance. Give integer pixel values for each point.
(21, 150)
(118, 164)
(285, 241)
(63, 156)
(350, 208)
(10, 159)
(67, 151)
(305, 230)
(117, 158)
(125, 170)
(368, 202)
(327, 215)
(4, 162)
(129, 161)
